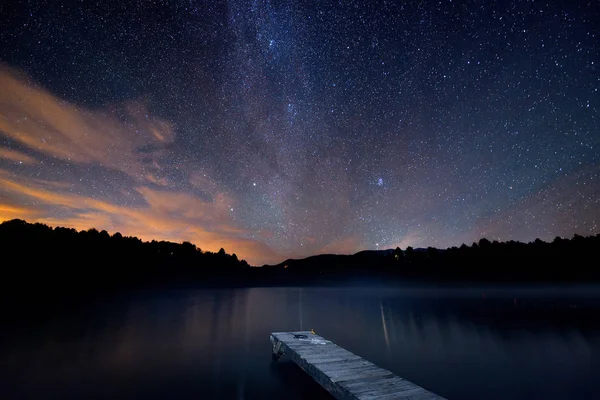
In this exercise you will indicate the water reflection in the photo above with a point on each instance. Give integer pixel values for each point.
(214, 344)
(384, 326)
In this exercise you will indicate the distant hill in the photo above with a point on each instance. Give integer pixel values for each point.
(562, 260)
(328, 259)
(322, 258)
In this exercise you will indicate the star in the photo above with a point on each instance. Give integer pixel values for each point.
(365, 123)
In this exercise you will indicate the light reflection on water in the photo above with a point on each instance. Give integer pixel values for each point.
(476, 343)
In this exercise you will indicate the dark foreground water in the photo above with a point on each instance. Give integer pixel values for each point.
(459, 343)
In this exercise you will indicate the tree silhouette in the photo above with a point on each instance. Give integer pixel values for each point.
(64, 263)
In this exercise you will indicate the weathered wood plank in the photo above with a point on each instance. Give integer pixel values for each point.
(405, 395)
(362, 386)
(391, 385)
(342, 373)
(327, 358)
(311, 351)
(346, 364)
(370, 372)
(370, 386)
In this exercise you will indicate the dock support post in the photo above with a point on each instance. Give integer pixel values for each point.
(277, 352)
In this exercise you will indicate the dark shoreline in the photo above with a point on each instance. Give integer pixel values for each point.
(44, 264)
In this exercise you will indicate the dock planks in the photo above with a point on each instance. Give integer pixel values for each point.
(344, 374)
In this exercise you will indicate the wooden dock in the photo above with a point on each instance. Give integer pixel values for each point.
(342, 373)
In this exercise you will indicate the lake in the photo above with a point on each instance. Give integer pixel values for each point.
(462, 343)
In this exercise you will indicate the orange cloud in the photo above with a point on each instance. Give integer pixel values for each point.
(123, 138)
(114, 138)
(18, 157)
(8, 211)
(166, 216)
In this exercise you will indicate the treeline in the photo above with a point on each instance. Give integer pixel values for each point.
(56, 261)
(53, 262)
(562, 260)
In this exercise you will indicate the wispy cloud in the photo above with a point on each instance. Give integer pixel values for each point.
(9, 211)
(165, 216)
(16, 156)
(111, 137)
(124, 138)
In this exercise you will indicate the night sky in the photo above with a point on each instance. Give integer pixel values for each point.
(281, 129)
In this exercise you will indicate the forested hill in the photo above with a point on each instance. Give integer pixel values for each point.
(562, 260)
(36, 256)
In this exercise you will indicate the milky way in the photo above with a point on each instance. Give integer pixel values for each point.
(289, 128)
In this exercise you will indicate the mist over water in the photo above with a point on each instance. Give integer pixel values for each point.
(462, 343)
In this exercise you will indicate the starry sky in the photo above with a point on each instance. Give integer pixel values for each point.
(280, 129)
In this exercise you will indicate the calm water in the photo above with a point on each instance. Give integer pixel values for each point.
(462, 344)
